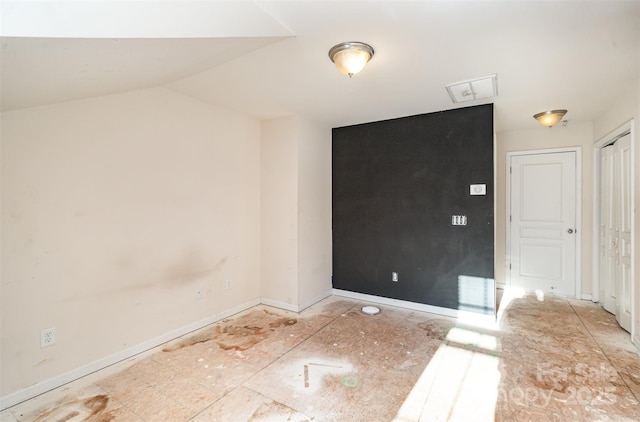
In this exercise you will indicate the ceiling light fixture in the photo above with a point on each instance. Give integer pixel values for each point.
(550, 118)
(351, 57)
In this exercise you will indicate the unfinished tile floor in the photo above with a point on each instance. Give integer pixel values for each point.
(547, 359)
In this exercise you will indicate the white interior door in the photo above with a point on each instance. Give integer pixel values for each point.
(542, 244)
(623, 213)
(615, 230)
(608, 231)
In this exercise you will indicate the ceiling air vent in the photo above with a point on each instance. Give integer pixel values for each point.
(473, 89)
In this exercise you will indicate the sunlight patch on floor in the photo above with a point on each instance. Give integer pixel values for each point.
(460, 382)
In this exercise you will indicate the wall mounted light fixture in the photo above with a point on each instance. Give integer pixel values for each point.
(351, 57)
(550, 118)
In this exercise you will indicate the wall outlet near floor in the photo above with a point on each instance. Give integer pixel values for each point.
(227, 284)
(394, 276)
(199, 294)
(47, 337)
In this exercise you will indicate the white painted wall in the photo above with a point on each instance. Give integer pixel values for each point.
(279, 217)
(296, 212)
(314, 214)
(115, 210)
(539, 137)
(625, 108)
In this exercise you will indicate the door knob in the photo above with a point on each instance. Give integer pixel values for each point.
(570, 231)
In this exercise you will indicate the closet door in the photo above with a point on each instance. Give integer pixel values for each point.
(623, 270)
(608, 234)
(615, 230)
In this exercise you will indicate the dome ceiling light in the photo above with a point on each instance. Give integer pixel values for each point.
(351, 57)
(550, 118)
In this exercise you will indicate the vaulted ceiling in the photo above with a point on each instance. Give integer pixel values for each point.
(269, 58)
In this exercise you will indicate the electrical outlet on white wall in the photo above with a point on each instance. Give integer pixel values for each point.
(47, 337)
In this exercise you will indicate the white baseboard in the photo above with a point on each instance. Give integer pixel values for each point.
(453, 313)
(280, 305)
(397, 303)
(60, 380)
(294, 308)
(585, 296)
(316, 299)
(582, 296)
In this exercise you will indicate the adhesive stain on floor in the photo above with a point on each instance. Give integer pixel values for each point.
(552, 360)
(201, 337)
(239, 338)
(91, 408)
(280, 322)
(229, 336)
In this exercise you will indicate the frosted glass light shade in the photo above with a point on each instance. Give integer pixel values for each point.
(550, 118)
(351, 57)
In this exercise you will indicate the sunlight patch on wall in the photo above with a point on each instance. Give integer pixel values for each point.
(476, 294)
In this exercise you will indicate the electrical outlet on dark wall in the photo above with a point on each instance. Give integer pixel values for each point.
(397, 187)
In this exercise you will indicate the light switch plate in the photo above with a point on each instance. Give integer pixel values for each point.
(458, 220)
(478, 189)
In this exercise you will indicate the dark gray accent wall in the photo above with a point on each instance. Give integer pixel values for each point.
(396, 185)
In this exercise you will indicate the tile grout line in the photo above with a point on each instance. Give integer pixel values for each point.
(603, 352)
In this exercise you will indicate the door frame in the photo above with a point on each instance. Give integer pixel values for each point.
(597, 149)
(578, 195)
